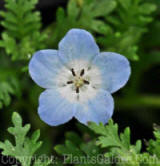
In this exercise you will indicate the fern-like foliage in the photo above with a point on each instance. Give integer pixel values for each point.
(108, 149)
(119, 145)
(89, 150)
(76, 151)
(9, 83)
(128, 23)
(7, 89)
(154, 145)
(118, 24)
(24, 147)
(81, 14)
(22, 24)
(109, 137)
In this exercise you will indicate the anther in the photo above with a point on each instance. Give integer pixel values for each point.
(70, 82)
(77, 90)
(73, 72)
(82, 72)
(86, 82)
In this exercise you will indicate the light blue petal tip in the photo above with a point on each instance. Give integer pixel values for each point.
(53, 109)
(44, 67)
(115, 70)
(78, 44)
(98, 109)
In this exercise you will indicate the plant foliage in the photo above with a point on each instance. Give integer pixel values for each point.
(24, 147)
(110, 148)
(21, 37)
(154, 145)
(120, 24)
(9, 82)
(7, 89)
(129, 27)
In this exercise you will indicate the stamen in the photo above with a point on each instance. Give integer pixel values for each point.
(73, 72)
(82, 72)
(86, 82)
(77, 90)
(70, 82)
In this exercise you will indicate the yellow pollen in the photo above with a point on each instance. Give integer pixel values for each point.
(78, 82)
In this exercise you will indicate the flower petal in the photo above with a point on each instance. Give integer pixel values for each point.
(78, 44)
(99, 109)
(115, 70)
(54, 109)
(44, 67)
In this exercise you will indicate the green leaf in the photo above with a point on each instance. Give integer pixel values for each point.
(73, 137)
(24, 147)
(21, 36)
(41, 163)
(147, 8)
(114, 148)
(69, 148)
(73, 9)
(109, 134)
(154, 145)
(118, 146)
(104, 7)
(125, 3)
(8, 88)
(84, 14)
(78, 152)
(125, 137)
(130, 22)
(9, 81)
(109, 138)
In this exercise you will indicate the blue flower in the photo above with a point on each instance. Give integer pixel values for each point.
(78, 79)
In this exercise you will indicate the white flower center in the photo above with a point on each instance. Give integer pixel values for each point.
(80, 82)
